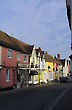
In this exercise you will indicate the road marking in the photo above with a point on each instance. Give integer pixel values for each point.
(54, 103)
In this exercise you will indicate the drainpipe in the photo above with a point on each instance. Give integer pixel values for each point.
(27, 78)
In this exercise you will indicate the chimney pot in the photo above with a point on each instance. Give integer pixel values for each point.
(58, 55)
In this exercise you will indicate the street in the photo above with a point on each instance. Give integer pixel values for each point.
(36, 98)
(65, 103)
(36, 55)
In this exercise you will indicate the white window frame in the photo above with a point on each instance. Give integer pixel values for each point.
(24, 58)
(10, 54)
(18, 57)
(7, 75)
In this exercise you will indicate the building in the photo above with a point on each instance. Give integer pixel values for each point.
(50, 72)
(37, 66)
(41, 64)
(33, 74)
(58, 67)
(69, 14)
(68, 5)
(65, 67)
(14, 60)
(70, 63)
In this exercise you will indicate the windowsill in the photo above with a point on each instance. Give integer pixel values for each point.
(9, 57)
(18, 59)
(25, 61)
(7, 80)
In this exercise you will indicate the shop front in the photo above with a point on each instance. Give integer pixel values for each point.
(22, 73)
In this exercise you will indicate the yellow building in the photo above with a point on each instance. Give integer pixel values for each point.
(49, 74)
(49, 66)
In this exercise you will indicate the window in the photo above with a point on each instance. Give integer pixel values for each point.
(9, 53)
(33, 59)
(7, 75)
(18, 55)
(25, 58)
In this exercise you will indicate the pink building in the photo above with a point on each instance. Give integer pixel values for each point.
(14, 60)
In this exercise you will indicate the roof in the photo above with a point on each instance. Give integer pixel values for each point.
(41, 52)
(58, 61)
(15, 44)
(62, 61)
(49, 58)
(70, 56)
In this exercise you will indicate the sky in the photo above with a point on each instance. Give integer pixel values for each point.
(42, 23)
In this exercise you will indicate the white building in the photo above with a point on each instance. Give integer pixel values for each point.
(37, 66)
(65, 64)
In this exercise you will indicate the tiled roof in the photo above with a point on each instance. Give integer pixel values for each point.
(49, 58)
(62, 61)
(15, 44)
(58, 61)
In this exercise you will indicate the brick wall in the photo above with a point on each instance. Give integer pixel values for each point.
(11, 64)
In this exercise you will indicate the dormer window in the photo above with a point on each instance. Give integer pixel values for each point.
(10, 53)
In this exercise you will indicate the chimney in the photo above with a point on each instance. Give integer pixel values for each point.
(58, 56)
(55, 57)
(39, 48)
(46, 52)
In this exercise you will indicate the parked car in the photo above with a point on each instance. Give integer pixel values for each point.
(69, 79)
(63, 79)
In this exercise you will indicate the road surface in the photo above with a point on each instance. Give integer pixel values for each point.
(39, 98)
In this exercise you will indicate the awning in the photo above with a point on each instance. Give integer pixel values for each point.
(32, 72)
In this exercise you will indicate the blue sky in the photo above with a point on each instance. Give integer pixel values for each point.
(40, 22)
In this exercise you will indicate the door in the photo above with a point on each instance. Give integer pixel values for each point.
(14, 77)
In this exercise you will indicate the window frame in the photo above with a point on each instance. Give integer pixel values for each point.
(7, 75)
(25, 59)
(10, 54)
(18, 53)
